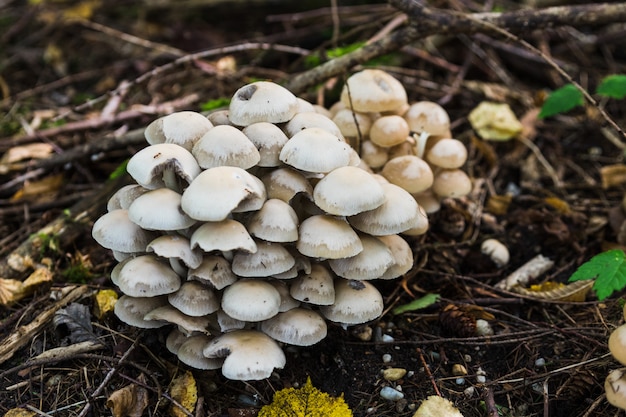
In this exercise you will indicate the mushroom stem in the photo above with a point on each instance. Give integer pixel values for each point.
(171, 181)
(420, 145)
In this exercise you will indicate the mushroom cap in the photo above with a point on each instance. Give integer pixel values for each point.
(409, 172)
(402, 256)
(269, 140)
(452, 183)
(316, 287)
(353, 124)
(123, 198)
(327, 237)
(146, 276)
(399, 212)
(250, 355)
(447, 153)
(149, 164)
(227, 323)
(225, 235)
(298, 326)
(370, 263)
(615, 388)
(388, 131)
(194, 299)
(190, 353)
(277, 221)
(115, 231)
(617, 344)
(131, 310)
(429, 117)
(315, 150)
(373, 155)
(356, 302)
(225, 145)
(169, 215)
(269, 259)
(285, 183)
(214, 271)
(348, 190)
(216, 192)
(311, 119)
(182, 128)
(287, 302)
(175, 338)
(175, 246)
(373, 90)
(186, 324)
(262, 101)
(251, 300)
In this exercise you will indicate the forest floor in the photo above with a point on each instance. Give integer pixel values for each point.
(549, 194)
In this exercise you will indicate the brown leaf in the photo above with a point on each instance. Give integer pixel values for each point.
(39, 191)
(613, 175)
(129, 401)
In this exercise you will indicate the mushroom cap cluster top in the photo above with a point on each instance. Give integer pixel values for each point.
(254, 227)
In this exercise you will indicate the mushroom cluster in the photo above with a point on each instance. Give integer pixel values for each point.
(615, 383)
(256, 224)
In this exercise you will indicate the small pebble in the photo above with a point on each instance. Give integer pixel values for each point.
(387, 339)
(460, 381)
(391, 394)
(394, 374)
(469, 392)
(386, 358)
(248, 401)
(483, 328)
(540, 362)
(467, 358)
(481, 379)
(458, 370)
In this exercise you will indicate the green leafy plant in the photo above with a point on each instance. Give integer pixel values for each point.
(569, 97)
(609, 270)
(215, 104)
(315, 58)
(418, 304)
(119, 171)
(307, 401)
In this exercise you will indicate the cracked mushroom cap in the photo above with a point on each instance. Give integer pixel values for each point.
(147, 276)
(225, 235)
(370, 263)
(399, 212)
(316, 287)
(316, 150)
(277, 221)
(298, 326)
(182, 128)
(131, 310)
(269, 140)
(176, 247)
(190, 353)
(373, 90)
(123, 198)
(250, 355)
(218, 191)
(115, 231)
(162, 165)
(348, 190)
(225, 145)
(262, 101)
(194, 299)
(251, 300)
(356, 302)
(269, 259)
(169, 215)
(214, 271)
(327, 237)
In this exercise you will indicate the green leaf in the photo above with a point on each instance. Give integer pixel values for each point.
(425, 301)
(608, 269)
(561, 100)
(613, 86)
(215, 104)
(119, 171)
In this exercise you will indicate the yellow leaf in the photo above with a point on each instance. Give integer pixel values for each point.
(82, 11)
(435, 406)
(495, 121)
(185, 392)
(129, 401)
(613, 175)
(39, 191)
(19, 412)
(105, 302)
(553, 291)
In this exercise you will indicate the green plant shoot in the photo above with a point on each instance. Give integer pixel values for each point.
(215, 104)
(119, 171)
(613, 86)
(418, 304)
(609, 270)
(561, 100)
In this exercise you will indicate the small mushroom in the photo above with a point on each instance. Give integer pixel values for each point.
(191, 350)
(194, 299)
(186, 324)
(169, 215)
(285, 183)
(496, 251)
(316, 287)
(348, 190)
(163, 165)
(328, 237)
(402, 256)
(617, 344)
(311, 119)
(182, 128)
(353, 124)
(131, 310)
(115, 231)
(225, 145)
(447, 153)
(262, 101)
(123, 198)
(388, 131)
(225, 235)
(451, 183)
(250, 355)
(373, 90)
(251, 300)
(356, 302)
(269, 259)
(370, 263)
(276, 221)
(315, 150)
(409, 172)
(146, 276)
(298, 326)
(214, 271)
(269, 140)
(615, 388)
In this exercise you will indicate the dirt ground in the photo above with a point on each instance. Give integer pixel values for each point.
(544, 196)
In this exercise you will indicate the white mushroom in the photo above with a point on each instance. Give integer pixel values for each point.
(262, 101)
(298, 326)
(163, 165)
(251, 300)
(356, 302)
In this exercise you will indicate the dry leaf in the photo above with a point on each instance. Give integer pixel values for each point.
(77, 319)
(20, 153)
(494, 121)
(613, 175)
(39, 191)
(552, 291)
(129, 401)
(435, 406)
(104, 303)
(19, 412)
(11, 290)
(185, 392)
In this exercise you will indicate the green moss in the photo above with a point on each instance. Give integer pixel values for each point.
(307, 401)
